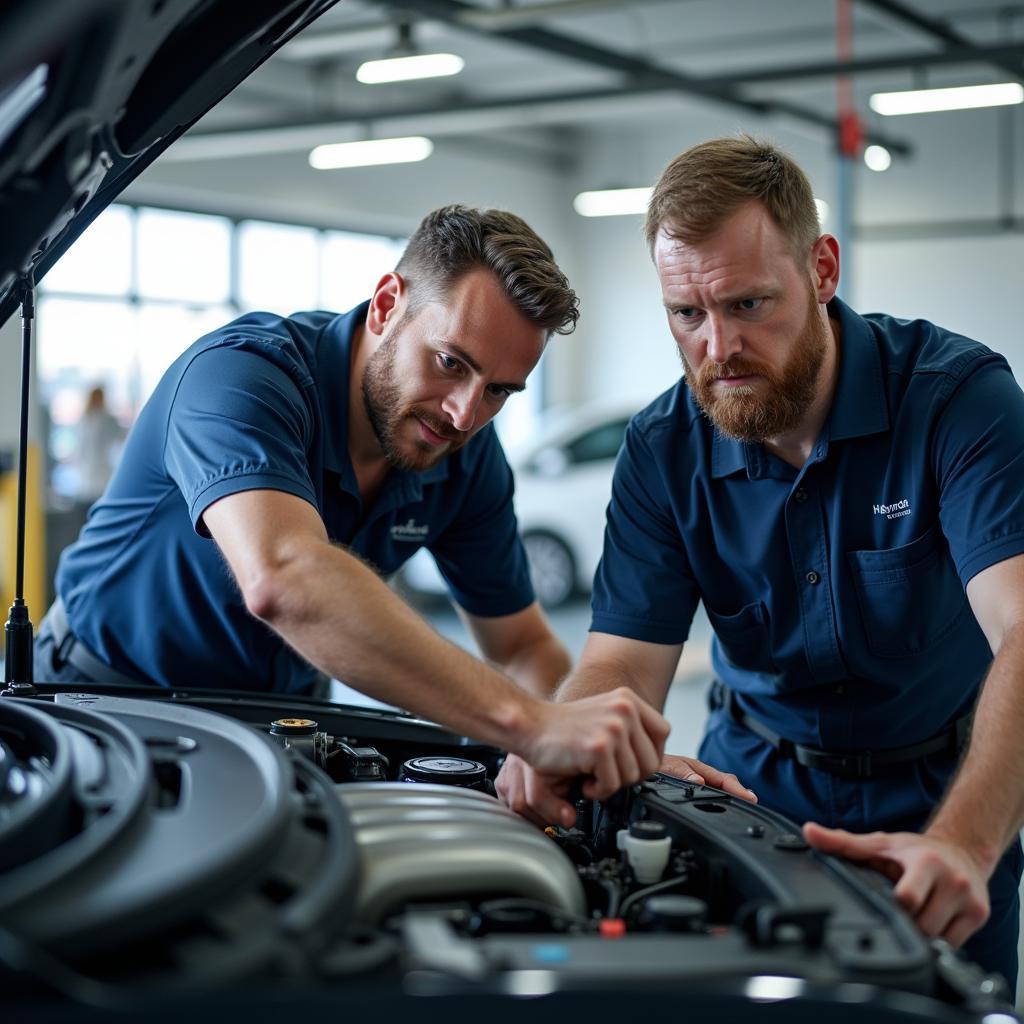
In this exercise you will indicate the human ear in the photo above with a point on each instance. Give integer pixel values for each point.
(388, 298)
(825, 267)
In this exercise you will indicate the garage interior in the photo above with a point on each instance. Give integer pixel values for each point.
(559, 98)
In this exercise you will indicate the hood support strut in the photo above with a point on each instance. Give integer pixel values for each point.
(18, 629)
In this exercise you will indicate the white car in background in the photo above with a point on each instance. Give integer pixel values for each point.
(563, 484)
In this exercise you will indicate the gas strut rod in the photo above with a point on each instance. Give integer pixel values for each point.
(18, 628)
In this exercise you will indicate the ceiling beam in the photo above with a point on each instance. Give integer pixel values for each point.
(937, 30)
(866, 65)
(643, 74)
(467, 116)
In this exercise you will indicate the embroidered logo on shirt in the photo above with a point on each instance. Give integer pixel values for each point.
(409, 530)
(894, 511)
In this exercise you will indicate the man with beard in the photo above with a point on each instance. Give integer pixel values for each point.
(279, 453)
(846, 496)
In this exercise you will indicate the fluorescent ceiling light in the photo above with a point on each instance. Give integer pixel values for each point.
(612, 202)
(877, 158)
(923, 101)
(404, 69)
(375, 151)
(618, 202)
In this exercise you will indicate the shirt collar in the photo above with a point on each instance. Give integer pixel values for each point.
(858, 407)
(727, 455)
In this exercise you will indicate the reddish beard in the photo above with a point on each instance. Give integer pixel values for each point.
(741, 412)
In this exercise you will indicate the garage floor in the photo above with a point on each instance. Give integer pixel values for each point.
(685, 708)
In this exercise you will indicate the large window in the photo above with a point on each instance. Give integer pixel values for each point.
(142, 284)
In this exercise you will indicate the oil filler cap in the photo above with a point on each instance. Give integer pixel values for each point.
(447, 771)
(293, 727)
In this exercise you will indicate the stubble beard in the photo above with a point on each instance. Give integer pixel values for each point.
(745, 415)
(387, 412)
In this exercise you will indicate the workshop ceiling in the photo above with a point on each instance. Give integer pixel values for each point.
(541, 72)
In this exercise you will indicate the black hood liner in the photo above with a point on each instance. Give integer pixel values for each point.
(92, 91)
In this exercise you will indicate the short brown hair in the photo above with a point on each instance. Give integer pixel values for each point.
(703, 187)
(456, 239)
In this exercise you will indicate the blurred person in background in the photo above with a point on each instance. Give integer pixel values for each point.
(98, 446)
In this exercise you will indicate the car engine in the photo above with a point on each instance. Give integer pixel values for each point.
(170, 845)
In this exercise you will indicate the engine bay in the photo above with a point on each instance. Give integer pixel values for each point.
(198, 842)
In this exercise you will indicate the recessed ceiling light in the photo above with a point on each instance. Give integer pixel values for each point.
(877, 158)
(369, 153)
(965, 97)
(405, 69)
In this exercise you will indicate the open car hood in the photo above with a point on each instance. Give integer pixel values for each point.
(92, 91)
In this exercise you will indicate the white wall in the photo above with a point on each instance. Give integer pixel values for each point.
(389, 199)
(384, 199)
(10, 386)
(969, 283)
(622, 346)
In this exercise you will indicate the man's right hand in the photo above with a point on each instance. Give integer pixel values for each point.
(612, 739)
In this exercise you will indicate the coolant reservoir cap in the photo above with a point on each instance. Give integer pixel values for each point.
(449, 771)
(293, 727)
(648, 830)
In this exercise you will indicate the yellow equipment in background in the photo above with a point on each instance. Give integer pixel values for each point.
(35, 535)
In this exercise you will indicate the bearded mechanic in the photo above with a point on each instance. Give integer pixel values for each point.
(273, 441)
(846, 496)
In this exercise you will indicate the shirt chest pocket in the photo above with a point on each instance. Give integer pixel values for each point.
(743, 637)
(910, 597)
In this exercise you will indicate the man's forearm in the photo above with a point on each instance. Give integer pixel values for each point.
(588, 680)
(539, 667)
(342, 618)
(609, 662)
(984, 807)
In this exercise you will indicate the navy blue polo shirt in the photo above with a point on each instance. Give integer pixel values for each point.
(836, 591)
(263, 403)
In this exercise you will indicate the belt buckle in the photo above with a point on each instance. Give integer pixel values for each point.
(859, 765)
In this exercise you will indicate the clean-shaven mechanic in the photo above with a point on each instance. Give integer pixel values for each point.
(846, 496)
(282, 462)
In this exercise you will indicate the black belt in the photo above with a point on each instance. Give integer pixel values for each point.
(68, 649)
(847, 764)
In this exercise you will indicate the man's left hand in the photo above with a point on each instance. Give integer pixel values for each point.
(689, 769)
(938, 883)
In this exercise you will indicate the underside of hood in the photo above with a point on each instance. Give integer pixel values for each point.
(92, 91)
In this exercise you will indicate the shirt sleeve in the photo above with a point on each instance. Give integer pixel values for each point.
(480, 554)
(978, 462)
(644, 588)
(239, 421)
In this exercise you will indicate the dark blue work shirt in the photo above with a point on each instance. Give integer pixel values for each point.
(263, 403)
(836, 591)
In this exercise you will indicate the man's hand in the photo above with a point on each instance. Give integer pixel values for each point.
(539, 798)
(689, 769)
(937, 882)
(615, 738)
